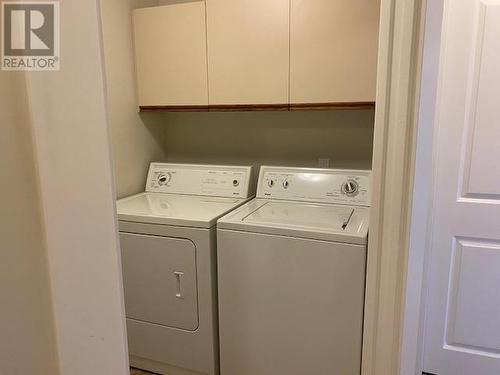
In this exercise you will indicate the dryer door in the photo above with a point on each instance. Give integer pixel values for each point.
(159, 276)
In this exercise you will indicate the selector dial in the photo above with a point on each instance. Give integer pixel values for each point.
(164, 178)
(270, 183)
(350, 188)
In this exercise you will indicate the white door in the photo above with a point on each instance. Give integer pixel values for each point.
(462, 329)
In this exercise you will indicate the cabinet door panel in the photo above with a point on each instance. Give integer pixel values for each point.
(171, 58)
(248, 51)
(333, 50)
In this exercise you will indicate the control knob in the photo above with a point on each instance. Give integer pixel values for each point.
(350, 188)
(164, 178)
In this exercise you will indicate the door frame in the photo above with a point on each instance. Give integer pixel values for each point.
(402, 24)
(422, 200)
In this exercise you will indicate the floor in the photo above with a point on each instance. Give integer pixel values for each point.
(134, 371)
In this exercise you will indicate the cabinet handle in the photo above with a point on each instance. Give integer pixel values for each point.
(178, 278)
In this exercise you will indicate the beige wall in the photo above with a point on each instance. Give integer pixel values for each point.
(279, 138)
(27, 338)
(78, 198)
(136, 138)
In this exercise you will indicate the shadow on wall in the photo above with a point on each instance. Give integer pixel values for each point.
(275, 138)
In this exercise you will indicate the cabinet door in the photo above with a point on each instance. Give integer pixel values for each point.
(333, 50)
(171, 54)
(248, 51)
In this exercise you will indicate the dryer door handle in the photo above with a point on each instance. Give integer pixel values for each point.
(178, 278)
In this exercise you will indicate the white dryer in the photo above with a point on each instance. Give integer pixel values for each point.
(291, 271)
(168, 245)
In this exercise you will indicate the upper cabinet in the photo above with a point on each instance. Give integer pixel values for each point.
(257, 54)
(333, 50)
(248, 51)
(171, 55)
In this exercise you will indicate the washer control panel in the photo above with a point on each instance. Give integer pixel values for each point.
(342, 186)
(194, 179)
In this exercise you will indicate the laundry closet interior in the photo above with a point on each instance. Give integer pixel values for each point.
(211, 91)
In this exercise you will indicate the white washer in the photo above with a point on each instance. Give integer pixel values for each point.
(291, 271)
(168, 240)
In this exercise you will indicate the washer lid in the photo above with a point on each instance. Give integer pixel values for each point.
(312, 216)
(175, 209)
(327, 222)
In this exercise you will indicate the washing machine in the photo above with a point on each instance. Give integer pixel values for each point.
(168, 247)
(291, 274)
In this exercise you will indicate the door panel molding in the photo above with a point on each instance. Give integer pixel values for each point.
(469, 314)
(482, 114)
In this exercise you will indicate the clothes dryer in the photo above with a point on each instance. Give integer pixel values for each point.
(168, 245)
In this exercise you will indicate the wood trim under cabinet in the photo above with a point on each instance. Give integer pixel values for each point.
(258, 107)
(331, 106)
(173, 108)
(248, 107)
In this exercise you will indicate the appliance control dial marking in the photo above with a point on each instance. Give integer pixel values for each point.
(350, 188)
(164, 178)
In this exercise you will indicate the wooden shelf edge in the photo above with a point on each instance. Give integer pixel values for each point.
(173, 108)
(259, 107)
(248, 107)
(331, 106)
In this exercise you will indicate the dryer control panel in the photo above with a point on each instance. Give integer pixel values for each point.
(341, 186)
(195, 179)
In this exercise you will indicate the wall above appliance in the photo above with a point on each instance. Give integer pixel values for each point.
(299, 139)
